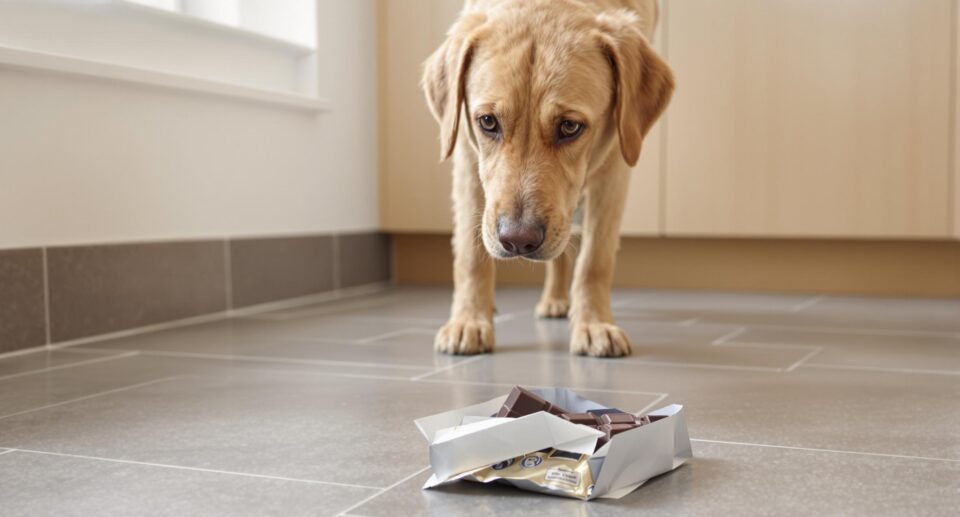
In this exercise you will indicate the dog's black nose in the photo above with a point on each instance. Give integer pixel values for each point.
(520, 239)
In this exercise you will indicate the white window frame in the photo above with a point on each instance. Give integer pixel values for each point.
(299, 92)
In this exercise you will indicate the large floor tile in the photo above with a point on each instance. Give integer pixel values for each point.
(923, 315)
(56, 386)
(231, 335)
(893, 413)
(654, 342)
(300, 425)
(693, 303)
(939, 353)
(304, 426)
(720, 480)
(84, 487)
(22, 364)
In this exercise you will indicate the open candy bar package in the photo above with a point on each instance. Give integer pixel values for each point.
(555, 442)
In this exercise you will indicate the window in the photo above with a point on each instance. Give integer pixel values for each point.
(291, 20)
(260, 49)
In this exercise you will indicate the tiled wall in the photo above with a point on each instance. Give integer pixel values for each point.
(64, 293)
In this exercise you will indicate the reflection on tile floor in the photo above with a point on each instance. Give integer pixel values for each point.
(796, 404)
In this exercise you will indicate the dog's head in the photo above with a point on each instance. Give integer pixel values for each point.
(543, 92)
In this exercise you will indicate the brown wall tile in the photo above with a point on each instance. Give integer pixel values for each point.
(22, 318)
(364, 258)
(270, 269)
(100, 289)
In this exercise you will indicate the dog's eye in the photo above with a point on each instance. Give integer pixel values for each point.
(568, 130)
(489, 124)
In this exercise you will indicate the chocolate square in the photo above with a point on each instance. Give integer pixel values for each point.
(617, 418)
(581, 418)
(522, 402)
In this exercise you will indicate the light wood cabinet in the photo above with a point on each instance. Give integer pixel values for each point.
(414, 185)
(810, 118)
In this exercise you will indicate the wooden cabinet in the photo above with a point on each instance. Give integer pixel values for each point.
(791, 118)
(414, 185)
(810, 118)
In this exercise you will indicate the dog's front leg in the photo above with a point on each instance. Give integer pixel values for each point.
(591, 320)
(470, 329)
(555, 300)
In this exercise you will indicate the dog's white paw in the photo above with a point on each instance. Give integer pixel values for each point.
(598, 339)
(553, 307)
(465, 336)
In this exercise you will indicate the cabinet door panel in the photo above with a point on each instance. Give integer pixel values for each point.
(414, 185)
(809, 118)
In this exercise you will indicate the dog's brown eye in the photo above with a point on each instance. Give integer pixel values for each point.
(489, 123)
(569, 129)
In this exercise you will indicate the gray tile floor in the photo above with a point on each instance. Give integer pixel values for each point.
(796, 405)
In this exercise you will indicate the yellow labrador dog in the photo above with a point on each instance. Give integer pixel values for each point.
(543, 105)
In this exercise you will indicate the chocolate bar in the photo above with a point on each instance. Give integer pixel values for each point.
(522, 402)
(617, 418)
(587, 419)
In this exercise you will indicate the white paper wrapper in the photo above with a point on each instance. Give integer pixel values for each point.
(464, 440)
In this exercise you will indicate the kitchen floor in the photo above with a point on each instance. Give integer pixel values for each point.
(795, 405)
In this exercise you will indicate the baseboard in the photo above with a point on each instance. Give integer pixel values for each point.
(66, 294)
(891, 268)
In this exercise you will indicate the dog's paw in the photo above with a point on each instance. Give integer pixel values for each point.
(598, 339)
(553, 307)
(465, 336)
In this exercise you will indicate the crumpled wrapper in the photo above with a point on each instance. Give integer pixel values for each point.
(545, 453)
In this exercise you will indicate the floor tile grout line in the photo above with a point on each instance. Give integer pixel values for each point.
(858, 331)
(197, 469)
(729, 335)
(46, 296)
(447, 368)
(771, 346)
(880, 369)
(703, 366)
(7, 451)
(509, 384)
(835, 451)
(92, 395)
(804, 359)
(278, 360)
(392, 334)
(806, 304)
(382, 491)
(651, 405)
(122, 355)
(228, 273)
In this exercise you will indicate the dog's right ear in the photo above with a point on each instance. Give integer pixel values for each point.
(444, 75)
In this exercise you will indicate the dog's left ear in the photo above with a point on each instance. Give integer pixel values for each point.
(643, 82)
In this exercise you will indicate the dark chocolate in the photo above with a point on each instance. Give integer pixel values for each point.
(617, 418)
(522, 402)
(581, 418)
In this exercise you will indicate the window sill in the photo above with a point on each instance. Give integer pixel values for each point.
(20, 58)
(182, 20)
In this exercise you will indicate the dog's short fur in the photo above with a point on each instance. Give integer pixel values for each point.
(543, 105)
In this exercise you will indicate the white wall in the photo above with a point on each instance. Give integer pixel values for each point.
(91, 161)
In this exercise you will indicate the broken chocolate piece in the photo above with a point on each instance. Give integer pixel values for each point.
(523, 402)
(581, 418)
(617, 418)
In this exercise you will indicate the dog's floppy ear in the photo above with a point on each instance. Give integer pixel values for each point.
(444, 75)
(643, 82)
